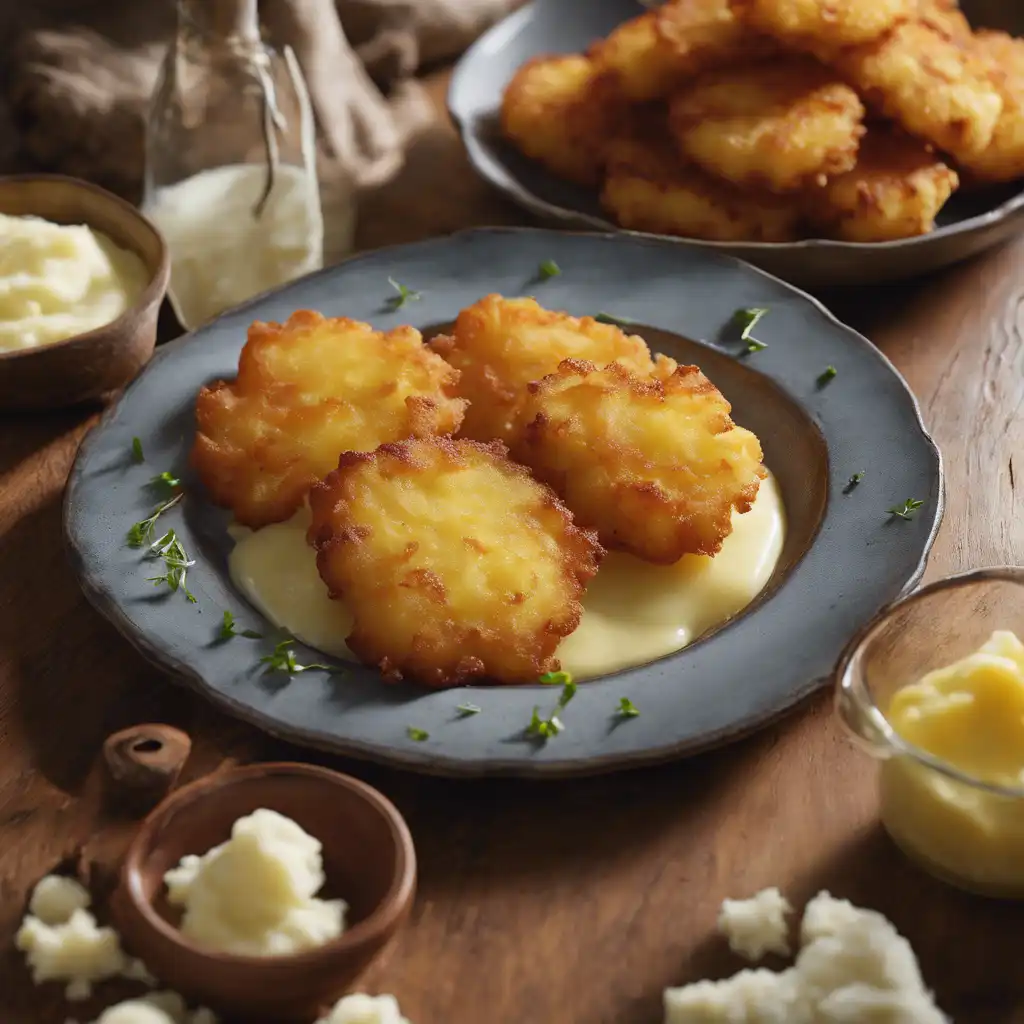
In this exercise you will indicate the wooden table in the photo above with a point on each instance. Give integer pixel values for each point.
(563, 902)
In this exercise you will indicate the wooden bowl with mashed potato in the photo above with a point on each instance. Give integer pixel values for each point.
(82, 276)
(264, 892)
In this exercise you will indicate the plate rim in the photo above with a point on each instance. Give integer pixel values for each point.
(435, 762)
(493, 172)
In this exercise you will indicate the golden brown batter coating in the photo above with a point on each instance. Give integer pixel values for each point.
(774, 126)
(559, 112)
(454, 562)
(896, 190)
(307, 390)
(500, 345)
(656, 466)
(818, 25)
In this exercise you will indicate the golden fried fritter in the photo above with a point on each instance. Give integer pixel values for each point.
(647, 187)
(307, 390)
(500, 345)
(773, 126)
(559, 111)
(656, 466)
(653, 54)
(1003, 158)
(818, 25)
(932, 85)
(945, 17)
(453, 561)
(895, 191)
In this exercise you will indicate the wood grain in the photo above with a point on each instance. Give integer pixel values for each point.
(548, 903)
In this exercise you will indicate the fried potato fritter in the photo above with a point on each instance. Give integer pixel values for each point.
(824, 24)
(453, 561)
(895, 191)
(656, 466)
(774, 126)
(559, 112)
(651, 55)
(1003, 158)
(932, 85)
(648, 188)
(500, 345)
(307, 390)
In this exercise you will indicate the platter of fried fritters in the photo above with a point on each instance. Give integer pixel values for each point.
(466, 458)
(829, 142)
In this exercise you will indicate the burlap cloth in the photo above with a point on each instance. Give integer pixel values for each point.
(78, 74)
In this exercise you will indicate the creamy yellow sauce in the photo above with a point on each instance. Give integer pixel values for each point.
(970, 715)
(57, 281)
(633, 612)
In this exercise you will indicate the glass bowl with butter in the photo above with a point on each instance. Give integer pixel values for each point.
(933, 689)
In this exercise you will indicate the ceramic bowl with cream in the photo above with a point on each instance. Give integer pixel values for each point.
(933, 690)
(82, 276)
(265, 891)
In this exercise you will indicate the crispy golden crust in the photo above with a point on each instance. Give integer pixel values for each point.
(647, 187)
(934, 86)
(454, 562)
(1003, 158)
(307, 390)
(559, 111)
(945, 17)
(817, 24)
(773, 126)
(500, 345)
(652, 55)
(895, 191)
(656, 466)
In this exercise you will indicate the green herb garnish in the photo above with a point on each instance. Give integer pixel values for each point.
(467, 709)
(137, 455)
(853, 481)
(619, 321)
(545, 728)
(826, 375)
(627, 708)
(166, 479)
(549, 268)
(404, 294)
(228, 629)
(177, 563)
(283, 660)
(747, 320)
(142, 532)
(906, 510)
(419, 735)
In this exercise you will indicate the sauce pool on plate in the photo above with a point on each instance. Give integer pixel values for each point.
(633, 612)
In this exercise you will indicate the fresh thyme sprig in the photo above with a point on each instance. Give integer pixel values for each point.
(177, 563)
(545, 728)
(404, 295)
(747, 320)
(166, 479)
(228, 629)
(283, 660)
(906, 510)
(143, 531)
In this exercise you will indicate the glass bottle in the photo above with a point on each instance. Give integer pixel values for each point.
(231, 177)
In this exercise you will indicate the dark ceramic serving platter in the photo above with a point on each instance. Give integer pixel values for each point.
(843, 560)
(970, 223)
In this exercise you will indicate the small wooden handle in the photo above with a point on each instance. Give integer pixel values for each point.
(144, 761)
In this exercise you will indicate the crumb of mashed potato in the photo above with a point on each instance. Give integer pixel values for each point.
(853, 967)
(56, 897)
(756, 926)
(155, 1008)
(359, 1008)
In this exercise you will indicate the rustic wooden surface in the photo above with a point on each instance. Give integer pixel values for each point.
(544, 903)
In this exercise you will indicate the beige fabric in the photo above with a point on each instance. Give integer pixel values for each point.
(80, 73)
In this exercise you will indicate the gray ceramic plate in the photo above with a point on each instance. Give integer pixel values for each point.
(969, 224)
(843, 559)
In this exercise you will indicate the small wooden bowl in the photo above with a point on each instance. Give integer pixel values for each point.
(100, 361)
(369, 862)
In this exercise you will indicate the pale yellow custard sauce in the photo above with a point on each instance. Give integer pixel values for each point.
(634, 612)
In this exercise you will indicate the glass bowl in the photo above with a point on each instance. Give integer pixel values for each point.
(967, 832)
